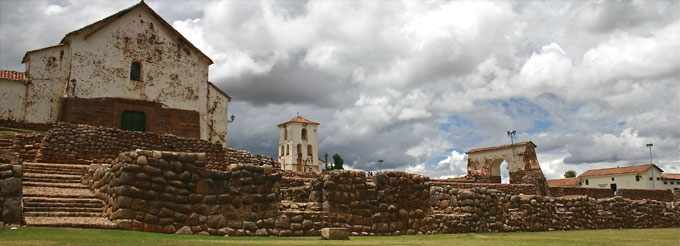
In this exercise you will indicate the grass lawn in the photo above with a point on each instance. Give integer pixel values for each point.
(59, 236)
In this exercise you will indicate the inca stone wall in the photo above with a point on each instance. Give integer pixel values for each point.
(488, 210)
(10, 190)
(512, 189)
(83, 144)
(27, 146)
(161, 191)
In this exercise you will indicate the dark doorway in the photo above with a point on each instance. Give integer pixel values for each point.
(613, 186)
(133, 121)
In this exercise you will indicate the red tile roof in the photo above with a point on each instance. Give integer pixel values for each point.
(619, 170)
(500, 147)
(674, 176)
(299, 119)
(564, 182)
(13, 75)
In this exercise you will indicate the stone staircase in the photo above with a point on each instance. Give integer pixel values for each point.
(55, 197)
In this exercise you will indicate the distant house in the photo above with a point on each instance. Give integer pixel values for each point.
(131, 70)
(647, 176)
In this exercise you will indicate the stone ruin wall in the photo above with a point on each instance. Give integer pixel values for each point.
(159, 191)
(169, 191)
(10, 190)
(83, 144)
(222, 193)
(489, 210)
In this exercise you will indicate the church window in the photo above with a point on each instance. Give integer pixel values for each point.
(285, 134)
(287, 149)
(281, 153)
(304, 134)
(135, 71)
(309, 150)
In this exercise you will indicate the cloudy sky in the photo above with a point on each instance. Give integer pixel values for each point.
(418, 83)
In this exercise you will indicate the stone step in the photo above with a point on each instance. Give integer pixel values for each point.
(57, 192)
(54, 185)
(63, 214)
(63, 203)
(52, 180)
(53, 171)
(74, 222)
(55, 166)
(64, 209)
(67, 200)
(51, 176)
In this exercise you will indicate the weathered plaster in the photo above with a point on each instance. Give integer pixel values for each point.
(47, 72)
(216, 119)
(12, 95)
(94, 62)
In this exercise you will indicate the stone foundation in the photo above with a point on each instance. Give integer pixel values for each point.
(10, 191)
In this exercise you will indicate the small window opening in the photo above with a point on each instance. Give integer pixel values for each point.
(587, 182)
(309, 150)
(304, 134)
(612, 178)
(637, 178)
(135, 71)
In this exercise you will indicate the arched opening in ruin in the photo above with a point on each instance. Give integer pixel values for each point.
(500, 172)
(505, 173)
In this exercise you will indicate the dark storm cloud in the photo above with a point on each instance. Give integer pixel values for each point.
(418, 83)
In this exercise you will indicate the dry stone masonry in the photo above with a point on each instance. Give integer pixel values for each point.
(10, 190)
(160, 191)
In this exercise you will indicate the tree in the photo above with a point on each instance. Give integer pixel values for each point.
(570, 174)
(337, 162)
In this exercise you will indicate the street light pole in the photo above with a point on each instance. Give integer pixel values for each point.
(511, 134)
(649, 145)
(380, 165)
(325, 155)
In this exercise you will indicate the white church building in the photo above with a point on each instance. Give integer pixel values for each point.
(298, 145)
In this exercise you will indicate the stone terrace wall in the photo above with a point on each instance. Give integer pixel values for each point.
(165, 191)
(638, 194)
(403, 203)
(27, 146)
(10, 192)
(513, 189)
(487, 210)
(83, 144)
(582, 191)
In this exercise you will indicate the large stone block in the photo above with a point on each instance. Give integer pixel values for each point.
(335, 233)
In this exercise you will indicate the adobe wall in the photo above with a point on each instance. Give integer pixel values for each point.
(581, 191)
(639, 194)
(107, 112)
